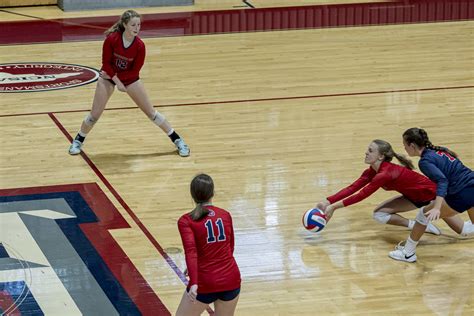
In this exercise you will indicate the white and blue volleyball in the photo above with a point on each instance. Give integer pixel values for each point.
(314, 220)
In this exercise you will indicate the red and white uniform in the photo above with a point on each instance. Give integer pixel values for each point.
(123, 62)
(390, 177)
(209, 249)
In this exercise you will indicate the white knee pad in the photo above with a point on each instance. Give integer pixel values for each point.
(382, 217)
(158, 118)
(421, 218)
(89, 120)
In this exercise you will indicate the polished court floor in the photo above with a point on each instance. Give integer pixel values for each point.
(280, 118)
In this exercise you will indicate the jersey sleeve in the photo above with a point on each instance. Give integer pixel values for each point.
(190, 250)
(138, 62)
(433, 172)
(232, 240)
(378, 181)
(354, 187)
(107, 51)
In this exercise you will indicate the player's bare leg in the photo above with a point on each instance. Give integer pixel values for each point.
(226, 308)
(103, 92)
(406, 252)
(387, 213)
(137, 92)
(190, 308)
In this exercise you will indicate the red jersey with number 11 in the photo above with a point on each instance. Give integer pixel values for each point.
(209, 249)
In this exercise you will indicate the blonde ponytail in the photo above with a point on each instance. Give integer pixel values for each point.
(119, 26)
(387, 151)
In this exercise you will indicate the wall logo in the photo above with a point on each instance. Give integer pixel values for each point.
(33, 77)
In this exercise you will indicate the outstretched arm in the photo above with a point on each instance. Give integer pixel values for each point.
(364, 178)
(331, 208)
(378, 181)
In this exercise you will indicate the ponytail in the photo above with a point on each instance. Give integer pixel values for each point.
(199, 212)
(119, 26)
(419, 137)
(386, 150)
(407, 163)
(202, 191)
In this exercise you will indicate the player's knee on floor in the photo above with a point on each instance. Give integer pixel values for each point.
(158, 118)
(382, 217)
(89, 120)
(421, 217)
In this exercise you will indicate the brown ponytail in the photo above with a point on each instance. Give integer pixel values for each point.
(202, 191)
(386, 150)
(124, 19)
(419, 137)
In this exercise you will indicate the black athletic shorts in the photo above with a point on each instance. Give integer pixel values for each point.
(208, 298)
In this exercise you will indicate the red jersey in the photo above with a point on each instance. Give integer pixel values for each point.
(390, 177)
(209, 249)
(123, 62)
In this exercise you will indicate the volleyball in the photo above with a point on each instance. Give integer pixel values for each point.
(314, 220)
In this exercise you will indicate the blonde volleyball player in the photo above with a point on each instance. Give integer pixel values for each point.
(416, 190)
(123, 55)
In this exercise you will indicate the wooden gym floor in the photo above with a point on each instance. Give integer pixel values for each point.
(280, 119)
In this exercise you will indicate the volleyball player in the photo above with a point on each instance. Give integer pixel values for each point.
(207, 234)
(123, 55)
(416, 190)
(454, 189)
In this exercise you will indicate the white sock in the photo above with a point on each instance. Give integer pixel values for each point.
(171, 131)
(467, 229)
(410, 246)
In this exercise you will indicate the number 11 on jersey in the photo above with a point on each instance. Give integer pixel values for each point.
(211, 237)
